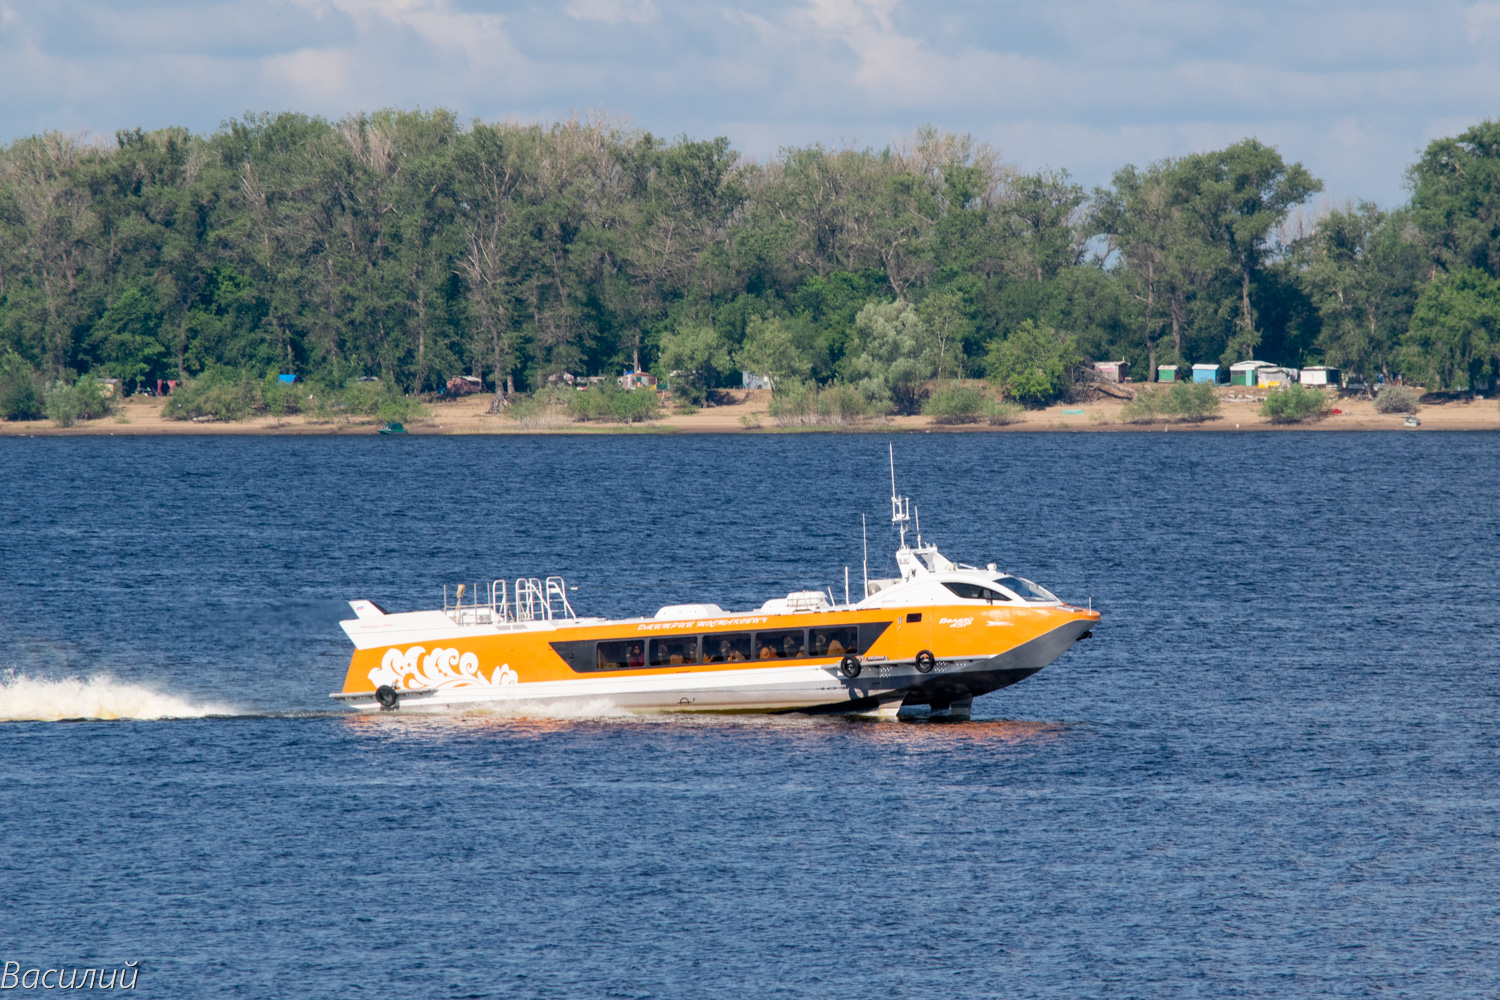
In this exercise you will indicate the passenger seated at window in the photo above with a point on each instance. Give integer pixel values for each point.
(637, 656)
(766, 652)
(734, 647)
(836, 648)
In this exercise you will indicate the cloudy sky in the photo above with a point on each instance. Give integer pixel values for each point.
(1353, 90)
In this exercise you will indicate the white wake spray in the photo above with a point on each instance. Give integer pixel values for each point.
(41, 699)
(567, 710)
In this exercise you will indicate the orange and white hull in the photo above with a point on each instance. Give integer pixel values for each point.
(936, 655)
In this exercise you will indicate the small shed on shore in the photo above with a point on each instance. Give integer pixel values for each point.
(1206, 373)
(750, 380)
(637, 380)
(1166, 373)
(464, 385)
(1319, 375)
(1273, 377)
(1112, 371)
(1243, 372)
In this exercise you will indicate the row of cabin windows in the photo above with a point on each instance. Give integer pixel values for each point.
(726, 647)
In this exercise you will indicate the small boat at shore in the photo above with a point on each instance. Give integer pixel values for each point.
(938, 635)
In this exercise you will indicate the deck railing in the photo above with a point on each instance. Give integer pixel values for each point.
(496, 603)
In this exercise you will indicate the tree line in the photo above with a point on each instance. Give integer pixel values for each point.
(412, 247)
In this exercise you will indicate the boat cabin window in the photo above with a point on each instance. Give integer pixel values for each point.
(786, 644)
(1028, 590)
(674, 651)
(976, 592)
(835, 641)
(626, 654)
(726, 647)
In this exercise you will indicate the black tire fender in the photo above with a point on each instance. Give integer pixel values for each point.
(926, 662)
(386, 695)
(850, 666)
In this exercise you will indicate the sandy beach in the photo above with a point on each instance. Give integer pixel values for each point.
(747, 414)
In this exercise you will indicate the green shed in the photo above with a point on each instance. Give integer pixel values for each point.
(1243, 372)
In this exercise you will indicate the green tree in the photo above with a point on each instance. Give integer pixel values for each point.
(1140, 219)
(1361, 271)
(20, 389)
(893, 355)
(1031, 365)
(1236, 199)
(769, 349)
(700, 357)
(1455, 332)
(124, 339)
(1041, 219)
(53, 244)
(946, 316)
(1455, 202)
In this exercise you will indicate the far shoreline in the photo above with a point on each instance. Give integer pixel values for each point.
(141, 416)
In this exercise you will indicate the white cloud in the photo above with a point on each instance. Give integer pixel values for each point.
(612, 11)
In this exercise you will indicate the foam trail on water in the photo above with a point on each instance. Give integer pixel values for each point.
(42, 699)
(562, 710)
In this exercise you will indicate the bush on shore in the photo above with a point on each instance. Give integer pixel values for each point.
(802, 404)
(998, 413)
(1192, 402)
(955, 404)
(1396, 399)
(84, 399)
(375, 399)
(542, 409)
(214, 395)
(1032, 364)
(21, 390)
(231, 396)
(609, 403)
(1295, 404)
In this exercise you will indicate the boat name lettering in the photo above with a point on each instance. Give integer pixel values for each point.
(705, 623)
(956, 622)
(13, 977)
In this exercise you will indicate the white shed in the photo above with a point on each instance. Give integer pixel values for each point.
(1319, 375)
(1276, 378)
(1112, 371)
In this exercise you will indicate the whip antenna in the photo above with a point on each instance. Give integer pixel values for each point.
(864, 531)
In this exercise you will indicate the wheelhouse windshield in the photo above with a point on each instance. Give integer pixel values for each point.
(974, 592)
(1027, 590)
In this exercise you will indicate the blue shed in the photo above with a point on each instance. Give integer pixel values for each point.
(1206, 373)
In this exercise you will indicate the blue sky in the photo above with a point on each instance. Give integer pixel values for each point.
(1352, 90)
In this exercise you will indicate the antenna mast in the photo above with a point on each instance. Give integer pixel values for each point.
(864, 532)
(900, 506)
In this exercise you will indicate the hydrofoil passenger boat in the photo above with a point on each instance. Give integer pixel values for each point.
(938, 635)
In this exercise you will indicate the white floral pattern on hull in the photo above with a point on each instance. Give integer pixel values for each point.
(441, 668)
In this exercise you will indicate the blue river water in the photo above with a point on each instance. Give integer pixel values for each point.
(1271, 772)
